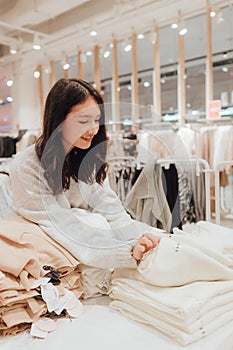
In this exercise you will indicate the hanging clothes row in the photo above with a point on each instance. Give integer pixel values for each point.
(161, 194)
(122, 174)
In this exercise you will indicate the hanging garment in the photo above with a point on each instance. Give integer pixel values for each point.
(8, 144)
(146, 201)
(171, 189)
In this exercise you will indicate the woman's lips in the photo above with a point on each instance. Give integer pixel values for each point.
(87, 139)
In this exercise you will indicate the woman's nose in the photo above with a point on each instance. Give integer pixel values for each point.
(94, 130)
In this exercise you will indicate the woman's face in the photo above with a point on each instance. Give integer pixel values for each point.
(81, 125)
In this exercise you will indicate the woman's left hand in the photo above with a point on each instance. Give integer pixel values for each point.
(144, 244)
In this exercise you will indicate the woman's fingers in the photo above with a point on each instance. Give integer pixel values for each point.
(149, 241)
(138, 251)
(153, 238)
(144, 244)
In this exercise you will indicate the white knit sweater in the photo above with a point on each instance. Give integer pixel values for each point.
(88, 220)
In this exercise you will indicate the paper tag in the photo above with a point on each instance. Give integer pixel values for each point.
(40, 282)
(50, 295)
(36, 332)
(46, 324)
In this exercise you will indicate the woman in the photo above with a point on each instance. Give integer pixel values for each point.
(60, 183)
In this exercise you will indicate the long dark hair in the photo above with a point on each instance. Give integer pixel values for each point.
(88, 165)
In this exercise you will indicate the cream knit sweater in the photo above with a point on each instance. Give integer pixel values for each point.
(88, 220)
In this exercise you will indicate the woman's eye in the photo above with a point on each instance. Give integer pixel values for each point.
(97, 120)
(82, 122)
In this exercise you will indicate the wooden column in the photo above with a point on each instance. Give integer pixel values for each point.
(97, 67)
(80, 66)
(52, 74)
(66, 73)
(115, 87)
(209, 62)
(156, 74)
(135, 96)
(181, 92)
(40, 91)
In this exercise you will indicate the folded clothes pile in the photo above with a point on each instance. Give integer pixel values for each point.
(184, 287)
(39, 279)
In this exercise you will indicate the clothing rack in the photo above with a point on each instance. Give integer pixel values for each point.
(219, 167)
(206, 170)
(166, 162)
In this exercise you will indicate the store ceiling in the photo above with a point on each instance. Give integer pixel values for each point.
(64, 25)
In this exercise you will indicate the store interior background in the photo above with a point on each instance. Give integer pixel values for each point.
(62, 28)
(67, 48)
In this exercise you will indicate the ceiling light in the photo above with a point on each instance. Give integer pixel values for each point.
(36, 46)
(93, 33)
(174, 25)
(128, 47)
(153, 37)
(47, 70)
(183, 30)
(224, 55)
(9, 99)
(219, 17)
(212, 13)
(163, 81)
(36, 74)
(140, 36)
(36, 42)
(89, 53)
(13, 50)
(9, 82)
(146, 84)
(106, 54)
(225, 69)
(182, 27)
(66, 66)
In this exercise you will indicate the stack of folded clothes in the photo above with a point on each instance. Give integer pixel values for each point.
(183, 287)
(39, 278)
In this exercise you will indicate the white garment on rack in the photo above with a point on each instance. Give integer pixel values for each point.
(222, 142)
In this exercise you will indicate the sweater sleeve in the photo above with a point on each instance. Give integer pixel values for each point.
(104, 200)
(91, 245)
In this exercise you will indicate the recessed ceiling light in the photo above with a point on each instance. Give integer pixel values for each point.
(36, 74)
(93, 33)
(140, 36)
(146, 84)
(9, 82)
(106, 54)
(128, 47)
(66, 66)
(174, 25)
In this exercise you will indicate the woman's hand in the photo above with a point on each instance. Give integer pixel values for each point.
(144, 244)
